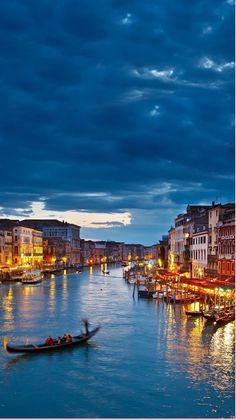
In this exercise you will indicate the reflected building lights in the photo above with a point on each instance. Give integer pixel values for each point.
(52, 295)
(7, 306)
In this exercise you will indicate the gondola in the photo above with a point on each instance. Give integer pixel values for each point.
(42, 347)
(106, 272)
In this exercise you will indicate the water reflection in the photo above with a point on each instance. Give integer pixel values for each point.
(7, 307)
(178, 364)
(195, 346)
(52, 294)
(64, 293)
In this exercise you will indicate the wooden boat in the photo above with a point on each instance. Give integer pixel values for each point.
(17, 274)
(106, 272)
(194, 313)
(42, 347)
(224, 318)
(210, 315)
(144, 292)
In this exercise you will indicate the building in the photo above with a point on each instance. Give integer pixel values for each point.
(87, 251)
(198, 252)
(133, 252)
(27, 246)
(5, 247)
(226, 243)
(56, 251)
(67, 232)
(216, 212)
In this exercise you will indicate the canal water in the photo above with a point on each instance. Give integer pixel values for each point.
(148, 360)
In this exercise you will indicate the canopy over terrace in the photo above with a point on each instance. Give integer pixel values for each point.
(205, 286)
(163, 273)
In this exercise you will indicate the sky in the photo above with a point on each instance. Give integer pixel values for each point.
(116, 114)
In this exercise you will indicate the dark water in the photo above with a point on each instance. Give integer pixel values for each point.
(148, 359)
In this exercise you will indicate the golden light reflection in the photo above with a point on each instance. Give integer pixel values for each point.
(29, 290)
(104, 267)
(64, 292)
(52, 295)
(222, 354)
(91, 270)
(191, 341)
(7, 305)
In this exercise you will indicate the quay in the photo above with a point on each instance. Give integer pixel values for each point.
(172, 288)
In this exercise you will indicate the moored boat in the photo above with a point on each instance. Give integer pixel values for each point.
(17, 274)
(195, 313)
(42, 347)
(32, 277)
(144, 292)
(223, 318)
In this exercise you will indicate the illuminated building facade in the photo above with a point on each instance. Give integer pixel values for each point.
(5, 247)
(215, 214)
(27, 246)
(55, 229)
(226, 243)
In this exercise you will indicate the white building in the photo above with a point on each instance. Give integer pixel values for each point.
(198, 253)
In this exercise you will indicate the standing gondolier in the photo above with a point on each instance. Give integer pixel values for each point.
(86, 325)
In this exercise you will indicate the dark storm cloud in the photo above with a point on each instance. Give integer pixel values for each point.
(118, 97)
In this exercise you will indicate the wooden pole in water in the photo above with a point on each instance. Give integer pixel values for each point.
(134, 290)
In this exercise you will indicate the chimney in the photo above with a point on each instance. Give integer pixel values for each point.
(213, 203)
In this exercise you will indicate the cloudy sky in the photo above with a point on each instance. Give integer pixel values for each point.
(116, 114)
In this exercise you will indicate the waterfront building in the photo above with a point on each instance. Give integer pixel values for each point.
(226, 243)
(56, 252)
(87, 248)
(179, 258)
(215, 213)
(27, 246)
(5, 247)
(99, 252)
(133, 252)
(162, 252)
(61, 230)
(198, 251)
(150, 252)
(114, 251)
